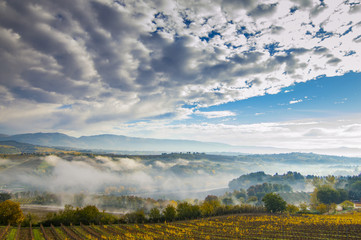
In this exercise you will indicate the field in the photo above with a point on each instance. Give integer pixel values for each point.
(227, 227)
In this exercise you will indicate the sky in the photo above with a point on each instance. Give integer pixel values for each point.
(249, 73)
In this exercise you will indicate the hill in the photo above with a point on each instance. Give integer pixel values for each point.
(14, 147)
(116, 142)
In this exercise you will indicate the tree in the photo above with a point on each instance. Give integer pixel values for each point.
(187, 211)
(169, 213)
(10, 213)
(227, 201)
(88, 214)
(208, 208)
(274, 203)
(211, 198)
(252, 199)
(328, 195)
(4, 197)
(136, 217)
(154, 215)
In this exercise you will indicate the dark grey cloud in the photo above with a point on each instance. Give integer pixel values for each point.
(238, 3)
(263, 10)
(303, 3)
(246, 58)
(357, 39)
(318, 9)
(54, 82)
(174, 61)
(320, 50)
(276, 29)
(35, 94)
(334, 61)
(355, 7)
(297, 51)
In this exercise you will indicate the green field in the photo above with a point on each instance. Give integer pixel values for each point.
(245, 226)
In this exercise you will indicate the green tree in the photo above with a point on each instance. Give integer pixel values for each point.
(10, 213)
(88, 214)
(227, 201)
(136, 217)
(274, 203)
(154, 215)
(4, 197)
(252, 199)
(169, 213)
(328, 195)
(187, 211)
(211, 198)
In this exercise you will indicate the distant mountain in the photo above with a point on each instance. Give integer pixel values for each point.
(116, 142)
(43, 139)
(119, 143)
(14, 147)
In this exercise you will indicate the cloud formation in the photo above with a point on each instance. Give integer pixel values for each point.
(77, 65)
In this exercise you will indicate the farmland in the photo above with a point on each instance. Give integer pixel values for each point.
(244, 226)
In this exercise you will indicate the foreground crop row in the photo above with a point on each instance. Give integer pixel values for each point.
(226, 227)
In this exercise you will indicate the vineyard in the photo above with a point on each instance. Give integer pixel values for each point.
(226, 227)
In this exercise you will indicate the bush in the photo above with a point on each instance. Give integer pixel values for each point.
(292, 209)
(347, 205)
(322, 208)
(86, 215)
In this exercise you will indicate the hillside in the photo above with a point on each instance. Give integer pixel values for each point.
(14, 147)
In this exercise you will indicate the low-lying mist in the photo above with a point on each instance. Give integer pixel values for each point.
(167, 178)
(108, 175)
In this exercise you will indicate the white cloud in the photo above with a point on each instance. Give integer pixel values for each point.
(215, 114)
(302, 134)
(295, 101)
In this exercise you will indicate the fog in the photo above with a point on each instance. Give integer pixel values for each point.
(157, 178)
(103, 174)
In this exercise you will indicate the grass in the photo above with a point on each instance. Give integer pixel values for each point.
(12, 234)
(38, 235)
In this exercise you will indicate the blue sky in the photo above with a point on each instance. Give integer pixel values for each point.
(321, 98)
(258, 73)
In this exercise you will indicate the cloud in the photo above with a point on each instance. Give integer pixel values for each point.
(118, 62)
(263, 10)
(298, 134)
(215, 114)
(295, 101)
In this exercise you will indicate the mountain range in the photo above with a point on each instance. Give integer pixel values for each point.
(109, 142)
(115, 142)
